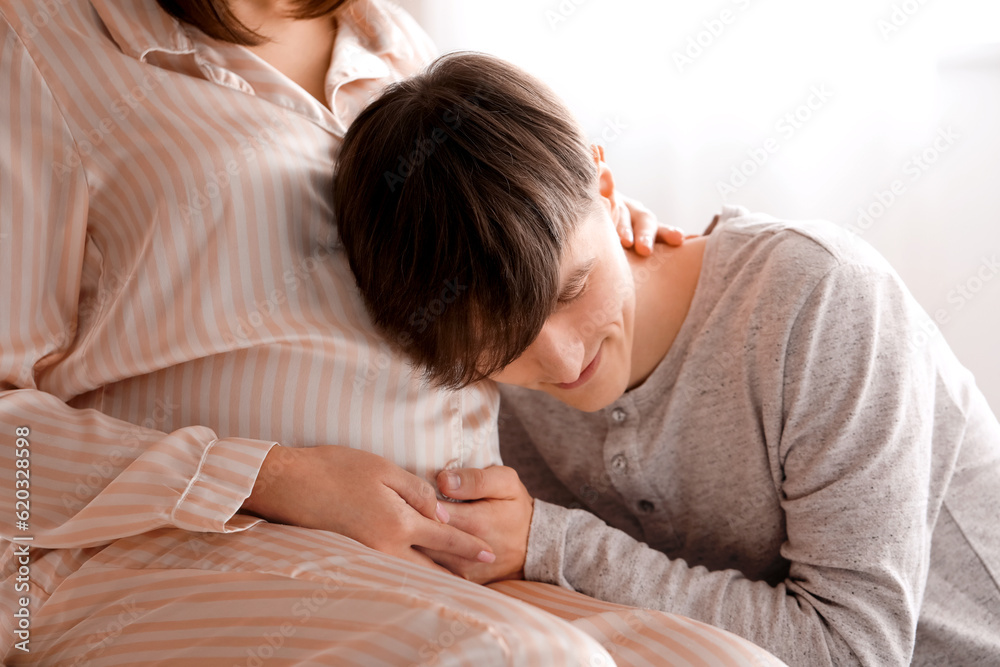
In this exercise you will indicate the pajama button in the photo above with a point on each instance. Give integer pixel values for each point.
(619, 463)
(646, 507)
(618, 415)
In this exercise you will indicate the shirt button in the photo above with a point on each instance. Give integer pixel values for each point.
(646, 507)
(619, 463)
(618, 415)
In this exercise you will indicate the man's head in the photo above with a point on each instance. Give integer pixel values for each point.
(475, 218)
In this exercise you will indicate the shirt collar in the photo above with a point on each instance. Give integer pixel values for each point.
(144, 31)
(142, 28)
(367, 36)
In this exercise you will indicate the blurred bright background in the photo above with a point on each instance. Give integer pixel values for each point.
(880, 116)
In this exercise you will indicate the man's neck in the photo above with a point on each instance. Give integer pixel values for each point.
(662, 301)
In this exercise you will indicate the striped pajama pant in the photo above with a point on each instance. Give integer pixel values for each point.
(276, 595)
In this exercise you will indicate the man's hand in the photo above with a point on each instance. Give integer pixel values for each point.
(362, 496)
(637, 226)
(500, 513)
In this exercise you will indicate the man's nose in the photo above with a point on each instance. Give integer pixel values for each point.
(559, 352)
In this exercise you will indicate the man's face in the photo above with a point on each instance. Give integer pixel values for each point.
(583, 355)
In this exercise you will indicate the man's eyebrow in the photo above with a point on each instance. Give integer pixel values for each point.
(577, 278)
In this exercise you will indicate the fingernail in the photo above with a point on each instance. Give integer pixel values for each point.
(628, 235)
(452, 481)
(646, 241)
(486, 557)
(442, 513)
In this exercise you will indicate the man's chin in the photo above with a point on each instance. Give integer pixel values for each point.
(589, 401)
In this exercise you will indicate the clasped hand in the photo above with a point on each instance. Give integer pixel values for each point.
(362, 496)
(370, 499)
(498, 511)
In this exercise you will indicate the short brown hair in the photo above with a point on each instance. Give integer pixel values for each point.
(455, 193)
(216, 19)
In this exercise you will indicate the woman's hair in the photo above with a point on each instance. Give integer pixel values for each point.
(216, 19)
(455, 193)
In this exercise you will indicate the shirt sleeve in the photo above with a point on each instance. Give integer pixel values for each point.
(89, 478)
(859, 418)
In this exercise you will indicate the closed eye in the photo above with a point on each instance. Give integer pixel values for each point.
(577, 284)
(572, 292)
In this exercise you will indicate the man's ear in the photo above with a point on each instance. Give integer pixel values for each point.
(605, 180)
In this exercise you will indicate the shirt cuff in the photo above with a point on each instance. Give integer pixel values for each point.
(547, 544)
(223, 481)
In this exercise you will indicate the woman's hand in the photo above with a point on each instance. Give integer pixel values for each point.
(499, 513)
(637, 226)
(362, 496)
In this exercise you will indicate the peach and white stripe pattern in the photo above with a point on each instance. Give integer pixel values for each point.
(172, 306)
(283, 595)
